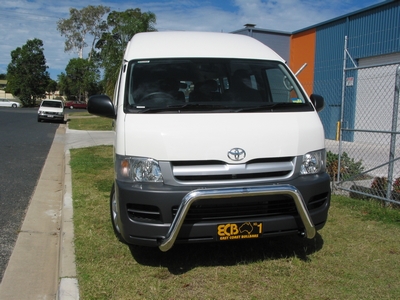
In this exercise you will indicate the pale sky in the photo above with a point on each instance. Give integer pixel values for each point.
(23, 20)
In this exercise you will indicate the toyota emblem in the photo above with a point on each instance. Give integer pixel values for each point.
(236, 154)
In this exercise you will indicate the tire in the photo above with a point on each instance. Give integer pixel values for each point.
(71, 107)
(14, 105)
(114, 215)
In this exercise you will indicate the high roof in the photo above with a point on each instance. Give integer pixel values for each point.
(178, 44)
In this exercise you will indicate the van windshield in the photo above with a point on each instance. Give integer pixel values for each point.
(205, 84)
(55, 104)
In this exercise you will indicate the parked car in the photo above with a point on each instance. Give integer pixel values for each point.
(75, 104)
(9, 103)
(51, 110)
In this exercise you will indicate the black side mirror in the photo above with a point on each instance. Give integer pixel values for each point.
(101, 105)
(318, 102)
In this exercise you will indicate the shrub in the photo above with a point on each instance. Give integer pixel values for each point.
(379, 186)
(379, 183)
(396, 185)
(348, 167)
(396, 189)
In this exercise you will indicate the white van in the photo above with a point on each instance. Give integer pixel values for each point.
(215, 140)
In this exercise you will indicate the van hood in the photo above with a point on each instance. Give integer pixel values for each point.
(173, 137)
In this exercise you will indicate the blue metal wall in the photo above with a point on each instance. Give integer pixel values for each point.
(371, 32)
(375, 32)
(328, 72)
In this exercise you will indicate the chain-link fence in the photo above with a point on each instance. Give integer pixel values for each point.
(363, 159)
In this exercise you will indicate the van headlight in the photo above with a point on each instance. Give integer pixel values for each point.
(313, 162)
(137, 169)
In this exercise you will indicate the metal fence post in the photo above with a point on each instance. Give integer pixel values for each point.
(394, 132)
(342, 106)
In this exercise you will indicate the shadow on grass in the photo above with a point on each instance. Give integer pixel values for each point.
(184, 257)
(53, 121)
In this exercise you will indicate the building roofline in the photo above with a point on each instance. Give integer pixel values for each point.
(346, 15)
(255, 29)
(251, 27)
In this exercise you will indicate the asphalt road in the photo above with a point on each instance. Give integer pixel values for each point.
(24, 145)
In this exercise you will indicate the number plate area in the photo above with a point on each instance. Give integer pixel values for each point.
(238, 231)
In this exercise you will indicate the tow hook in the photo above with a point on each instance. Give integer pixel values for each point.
(302, 233)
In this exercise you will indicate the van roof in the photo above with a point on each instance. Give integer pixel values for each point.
(148, 45)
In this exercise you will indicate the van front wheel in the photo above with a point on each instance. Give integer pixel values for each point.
(114, 215)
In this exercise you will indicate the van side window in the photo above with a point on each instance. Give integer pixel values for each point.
(117, 87)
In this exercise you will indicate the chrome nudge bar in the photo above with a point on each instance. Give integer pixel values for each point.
(168, 241)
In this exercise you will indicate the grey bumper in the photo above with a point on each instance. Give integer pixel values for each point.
(168, 241)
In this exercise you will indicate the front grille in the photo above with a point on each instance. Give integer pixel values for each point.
(52, 113)
(240, 208)
(219, 171)
(231, 176)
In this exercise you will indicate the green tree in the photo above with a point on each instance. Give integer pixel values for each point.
(80, 24)
(3, 76)
(27, 77)
(122, 26)
(63, 85)
(51, 86)
(80, 79)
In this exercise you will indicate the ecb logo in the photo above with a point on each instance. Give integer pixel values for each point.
(244, 230)
(228, 229)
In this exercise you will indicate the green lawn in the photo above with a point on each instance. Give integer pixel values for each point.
(82, 120)
(356, 255)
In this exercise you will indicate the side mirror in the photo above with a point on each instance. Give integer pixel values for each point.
(318, 102)
(101, 105)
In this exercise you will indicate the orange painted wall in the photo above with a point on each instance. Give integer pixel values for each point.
(302, 50)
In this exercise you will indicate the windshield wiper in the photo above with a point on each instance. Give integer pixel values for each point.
(179, 107)
(269, 106)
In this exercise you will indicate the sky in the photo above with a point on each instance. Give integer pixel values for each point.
(23, 20)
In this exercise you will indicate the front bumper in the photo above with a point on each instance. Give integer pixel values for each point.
(303, 207)
(167, 242)
(49, 116)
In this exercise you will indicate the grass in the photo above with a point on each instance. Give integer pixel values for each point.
(355, 256)
(82, 120)
(78, 113)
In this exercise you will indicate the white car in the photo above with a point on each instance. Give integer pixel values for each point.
(9, 103)
(51, 110)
